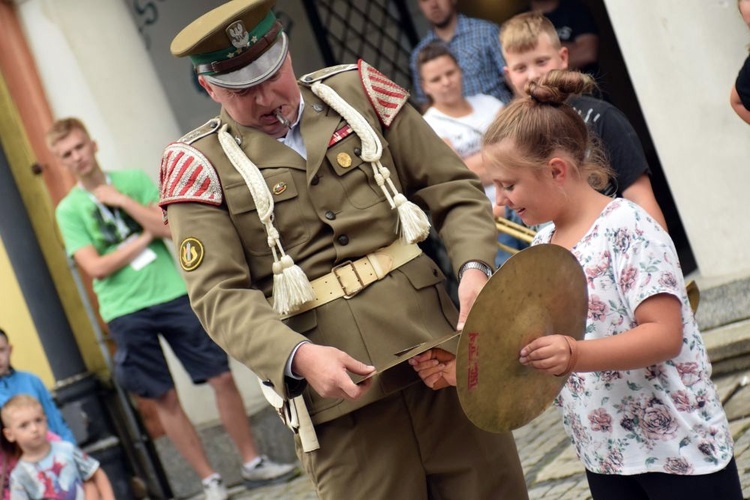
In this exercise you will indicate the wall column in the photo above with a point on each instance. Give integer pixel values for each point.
(683, 58)
(22, 79)
(94, 65)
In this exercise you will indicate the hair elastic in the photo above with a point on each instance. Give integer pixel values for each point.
(573, 359)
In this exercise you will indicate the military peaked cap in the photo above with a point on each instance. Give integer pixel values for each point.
(236, 45)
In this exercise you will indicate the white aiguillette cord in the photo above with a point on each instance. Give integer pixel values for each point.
(413, 223)
(291, 288)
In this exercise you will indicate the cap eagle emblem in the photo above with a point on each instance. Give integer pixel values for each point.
(238, 35)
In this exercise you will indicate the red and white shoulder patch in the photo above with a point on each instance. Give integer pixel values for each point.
(188, 176)
(386, 97)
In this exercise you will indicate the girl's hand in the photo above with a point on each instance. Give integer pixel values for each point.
(550, 354)
(436, 368)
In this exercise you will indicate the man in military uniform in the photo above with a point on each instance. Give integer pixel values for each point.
(288, 218)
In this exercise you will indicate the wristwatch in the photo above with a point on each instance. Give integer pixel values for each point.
(475, 264)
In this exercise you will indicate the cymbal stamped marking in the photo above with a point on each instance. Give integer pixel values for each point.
(473, 369)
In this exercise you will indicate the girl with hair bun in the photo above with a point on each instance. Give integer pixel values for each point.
(638, 404)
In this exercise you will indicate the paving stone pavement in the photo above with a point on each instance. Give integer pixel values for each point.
(549, 462)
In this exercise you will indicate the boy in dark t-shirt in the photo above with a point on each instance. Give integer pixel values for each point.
(532, 49)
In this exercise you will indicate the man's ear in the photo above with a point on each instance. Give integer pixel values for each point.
(207, 87)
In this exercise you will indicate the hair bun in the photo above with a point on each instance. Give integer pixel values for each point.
(556, 86)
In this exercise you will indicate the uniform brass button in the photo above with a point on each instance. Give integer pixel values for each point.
(279, 188)
(318, 107)
(358, 151)
(330, 215)
(344, 160)
(315, 180)
(343, 239)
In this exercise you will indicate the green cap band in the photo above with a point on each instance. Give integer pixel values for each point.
(256, 34)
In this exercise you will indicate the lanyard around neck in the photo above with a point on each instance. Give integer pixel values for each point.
(110, 215)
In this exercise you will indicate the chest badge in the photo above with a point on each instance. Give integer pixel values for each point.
(279, 188)
(344, 160)
(191, 254)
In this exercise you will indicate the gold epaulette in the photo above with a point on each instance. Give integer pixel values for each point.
(208, 128)
(324, 73)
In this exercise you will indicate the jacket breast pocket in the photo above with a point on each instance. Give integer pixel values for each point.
(356, 176)
(288, 217)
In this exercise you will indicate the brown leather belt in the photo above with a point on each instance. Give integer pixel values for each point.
(351, 277)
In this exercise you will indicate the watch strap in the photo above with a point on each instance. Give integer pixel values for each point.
(475, 264)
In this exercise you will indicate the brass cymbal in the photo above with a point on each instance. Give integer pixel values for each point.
(539, 291)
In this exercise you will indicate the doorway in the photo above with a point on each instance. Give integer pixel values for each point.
(619, 90)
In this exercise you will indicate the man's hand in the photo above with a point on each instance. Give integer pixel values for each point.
(109, 195)
(472, 282)
(436, 368)
(325, 369)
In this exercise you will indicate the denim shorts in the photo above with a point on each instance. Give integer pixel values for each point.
(140, 366)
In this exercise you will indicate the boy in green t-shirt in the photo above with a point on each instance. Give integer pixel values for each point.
(114, 230)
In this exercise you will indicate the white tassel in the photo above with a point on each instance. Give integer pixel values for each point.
(291, 288)
(414, 226)
(413, 223)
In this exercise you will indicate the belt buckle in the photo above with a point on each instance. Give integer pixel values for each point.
(348, 295)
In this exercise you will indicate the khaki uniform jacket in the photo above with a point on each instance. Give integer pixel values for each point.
(328, 214)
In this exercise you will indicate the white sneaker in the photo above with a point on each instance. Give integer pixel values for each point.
(268, 472)
(214, 489)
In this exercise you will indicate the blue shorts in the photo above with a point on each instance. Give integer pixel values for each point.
(140, 366)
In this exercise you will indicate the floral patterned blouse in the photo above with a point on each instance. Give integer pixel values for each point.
(662, 418)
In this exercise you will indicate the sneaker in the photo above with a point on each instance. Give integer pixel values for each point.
(214, 489)
(268, 472)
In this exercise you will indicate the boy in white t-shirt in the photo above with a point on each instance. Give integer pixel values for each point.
(48, 469)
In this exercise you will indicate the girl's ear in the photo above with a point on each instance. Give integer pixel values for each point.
(559, 168)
